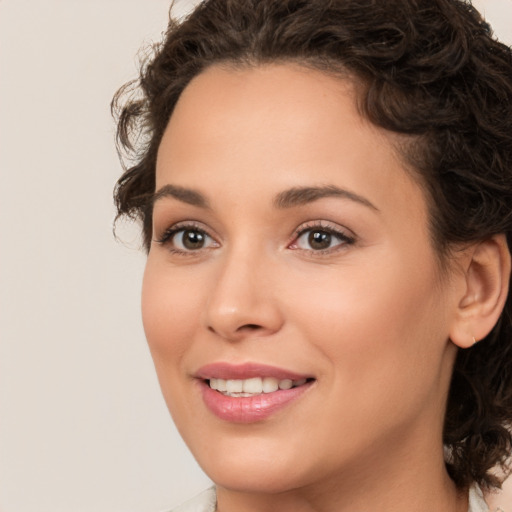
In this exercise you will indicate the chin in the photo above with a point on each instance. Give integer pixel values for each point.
(249, 478)
(257, 465)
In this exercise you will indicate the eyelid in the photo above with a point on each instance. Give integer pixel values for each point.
(346, 236)
(167, 234)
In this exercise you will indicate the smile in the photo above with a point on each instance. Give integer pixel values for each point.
(249, 392)
(253, 386)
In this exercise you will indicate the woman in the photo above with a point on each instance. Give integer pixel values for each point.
(325, 190)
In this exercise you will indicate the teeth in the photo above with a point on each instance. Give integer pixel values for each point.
(270, 385)
(234, 386)
(285, 384)
(253, 386)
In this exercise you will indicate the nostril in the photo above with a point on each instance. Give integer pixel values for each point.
(242, 328)
(249, 327)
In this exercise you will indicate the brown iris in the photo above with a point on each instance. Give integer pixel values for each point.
(193, 239)
(319, 240)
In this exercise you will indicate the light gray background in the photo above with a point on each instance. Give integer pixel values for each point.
(83, 426)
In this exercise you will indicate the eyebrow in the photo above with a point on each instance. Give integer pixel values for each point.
(296, 196)
(185, 195)
(303, 195)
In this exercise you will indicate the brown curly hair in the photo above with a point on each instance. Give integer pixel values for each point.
(429, 69)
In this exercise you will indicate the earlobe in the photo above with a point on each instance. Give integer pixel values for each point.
(487, 277)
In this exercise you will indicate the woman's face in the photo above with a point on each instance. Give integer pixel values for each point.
(290, 244)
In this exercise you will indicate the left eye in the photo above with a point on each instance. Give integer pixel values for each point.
(319, 240)
(190, 239)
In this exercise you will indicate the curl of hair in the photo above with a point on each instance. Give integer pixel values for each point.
(427, 69)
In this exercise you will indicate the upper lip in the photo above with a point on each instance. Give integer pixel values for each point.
(223, 370)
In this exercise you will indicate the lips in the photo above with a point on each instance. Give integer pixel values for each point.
(246, 371)
(250, 392)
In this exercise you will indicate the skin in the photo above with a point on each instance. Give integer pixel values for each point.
(370, 319)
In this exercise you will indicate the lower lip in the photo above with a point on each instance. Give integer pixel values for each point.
(249, 409)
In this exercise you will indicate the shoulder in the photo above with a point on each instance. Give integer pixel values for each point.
(204, 502)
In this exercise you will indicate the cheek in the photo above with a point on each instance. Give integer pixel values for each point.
(377, 324)
(169, 313)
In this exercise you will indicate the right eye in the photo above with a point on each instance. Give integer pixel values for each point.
(186, 239)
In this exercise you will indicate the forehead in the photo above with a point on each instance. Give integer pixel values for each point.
(274, 97)
(281, 125)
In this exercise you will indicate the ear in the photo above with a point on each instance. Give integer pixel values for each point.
(486, 278)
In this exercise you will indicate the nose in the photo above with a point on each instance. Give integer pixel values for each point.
(243, 301)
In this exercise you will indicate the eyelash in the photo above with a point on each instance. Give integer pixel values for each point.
(323, 227)
(319, 226)
(168, 235)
